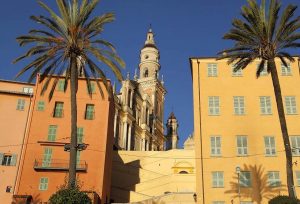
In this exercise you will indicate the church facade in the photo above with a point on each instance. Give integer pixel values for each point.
(139, 107)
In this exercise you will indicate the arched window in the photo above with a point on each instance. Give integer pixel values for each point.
(183, 172)
(146, 73)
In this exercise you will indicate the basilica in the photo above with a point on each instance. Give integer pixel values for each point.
(139, 107)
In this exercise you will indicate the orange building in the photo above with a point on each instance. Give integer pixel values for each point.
(15, 103)
(44, 166)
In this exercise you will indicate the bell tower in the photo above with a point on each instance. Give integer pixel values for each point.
(149, 58)
(172, 135)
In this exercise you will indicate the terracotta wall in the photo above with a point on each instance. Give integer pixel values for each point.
(97, 135)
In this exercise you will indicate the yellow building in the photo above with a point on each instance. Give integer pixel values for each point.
(240, 154)
(152, 177)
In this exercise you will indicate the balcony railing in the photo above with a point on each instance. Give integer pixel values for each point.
(57, 165)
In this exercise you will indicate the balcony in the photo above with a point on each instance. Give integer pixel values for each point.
(57, 165)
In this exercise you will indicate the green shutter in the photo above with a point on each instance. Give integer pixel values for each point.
(93, 88)
(20, 104)
(13, 161)
(80, 135)
(1, 158)
(89, 112)
(41, 106)
(58, 110)
(61, 85)
(47, 157)
(52, 133)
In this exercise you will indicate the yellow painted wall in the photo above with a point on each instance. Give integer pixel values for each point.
(149, 175)
(228, 125)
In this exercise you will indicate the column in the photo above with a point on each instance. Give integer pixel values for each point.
(129, 138)
(124, 134)
(143, 144)
(115, 124)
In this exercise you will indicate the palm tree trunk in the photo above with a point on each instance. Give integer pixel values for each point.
(73, 146)
(285, 135)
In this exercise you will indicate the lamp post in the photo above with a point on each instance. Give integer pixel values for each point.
(238, 171)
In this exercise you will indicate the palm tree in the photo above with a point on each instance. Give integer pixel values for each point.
(262, 35)
(67, 46)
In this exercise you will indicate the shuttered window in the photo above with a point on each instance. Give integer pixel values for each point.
(270, 145)
(242, 145)
(212, 70)
(52, 130)
(239, 105)
(286, 70)
(290, 105)
(21, 104)
(215, 144)
(213, 105)
(47, 157)
(217, 179)
(80, 135)
(273, 179)
(41, 106)
(295, 145)
(265, 105)
(43, 186)
(245, 179)
(61, 85)
(237, 73)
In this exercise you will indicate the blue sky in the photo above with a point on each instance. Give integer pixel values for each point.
(183, 28)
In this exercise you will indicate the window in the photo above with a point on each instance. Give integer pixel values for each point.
(21, 104)
(52, 133)
(273, 179)
(239, 105)
(218, 202)
(8, 159)
(212, 70)
(245, 179)
(41, 106)
(79, 135)
(246, 202)
(8, 189)
(295, 142)
(286, 71)
(43, 184)
(215, 144)
(28, 90)
(238, 73)
(58, 110)
(270, 146)
(47, 157)
(290, 105)
(242, 145)
(93, 88)
(217, 179)
(61, 85)
(146, 73)
(265, 105)
(89, 112)
(264, 72)
(213, 105)
(298, 178)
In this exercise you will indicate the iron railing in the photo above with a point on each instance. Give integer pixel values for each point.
(58, 165)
